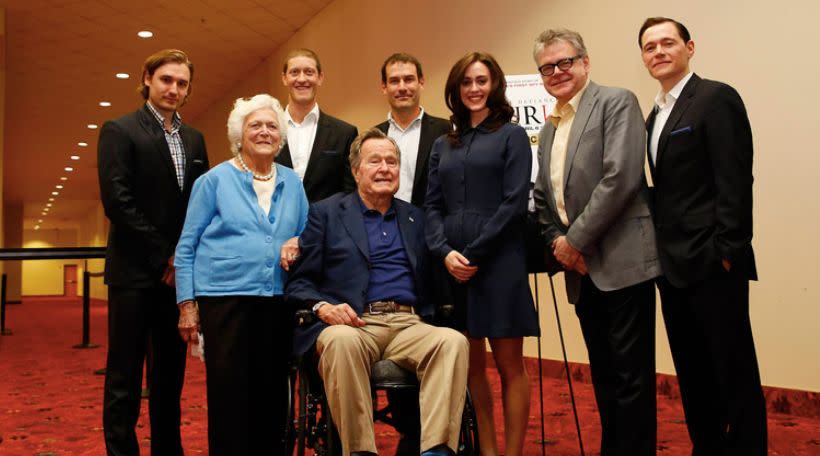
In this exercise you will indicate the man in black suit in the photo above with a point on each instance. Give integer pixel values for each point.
(318, 144)
(700, 155)
(148, 161)
(414, 131)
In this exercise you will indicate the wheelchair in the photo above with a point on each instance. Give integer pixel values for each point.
(311, 425)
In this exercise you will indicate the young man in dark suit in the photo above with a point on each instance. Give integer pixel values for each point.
(700, 155)
(414, 130)
(407, 123)
(148, 161)
(318, 144)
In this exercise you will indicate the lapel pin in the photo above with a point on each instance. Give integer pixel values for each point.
(411, 219)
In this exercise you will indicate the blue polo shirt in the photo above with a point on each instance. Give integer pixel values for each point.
(391, 274)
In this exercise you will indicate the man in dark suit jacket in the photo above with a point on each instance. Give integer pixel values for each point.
(414, 130)
(700, 155)
(148, 161)
(591, 196)
(363, 270)
(318, 144)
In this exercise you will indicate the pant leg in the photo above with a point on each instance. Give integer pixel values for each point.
(439, 356)
(619, 330)
(225, 325)
(167, 373)
(127, 332)
(346, 355)
(272, 339)
(713, 350)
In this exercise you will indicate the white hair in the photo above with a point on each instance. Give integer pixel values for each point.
(243, 107)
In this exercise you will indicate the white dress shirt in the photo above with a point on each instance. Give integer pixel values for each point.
(300, 139)
(408, 141)
(664, 102)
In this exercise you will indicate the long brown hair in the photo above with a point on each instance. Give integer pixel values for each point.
(500, 110)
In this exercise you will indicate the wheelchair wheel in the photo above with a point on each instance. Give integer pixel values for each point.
(468, 437)
(315, 428)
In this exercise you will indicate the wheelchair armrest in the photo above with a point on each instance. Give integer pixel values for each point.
(304, 317)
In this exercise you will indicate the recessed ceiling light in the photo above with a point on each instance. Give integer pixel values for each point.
(75, 157)
(36, 227)
(51, 199)
(82, 144)
(46, 209)
(69, 169)
(58, 186)
(43, 213)
(145, 34)
(63, 178)
(92, 126)
(105, 104)
(55, 193)
(49, 204)
(122, 75)
(40, 221)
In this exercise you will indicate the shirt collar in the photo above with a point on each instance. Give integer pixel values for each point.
(570, 107)
(365, 210)
(663, 99)
(312, 115)
(176, 120)
(395, 124)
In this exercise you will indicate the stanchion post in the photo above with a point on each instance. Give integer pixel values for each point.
(3, 330)
(86, 312)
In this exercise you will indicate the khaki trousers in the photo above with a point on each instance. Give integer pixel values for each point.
(438, 356)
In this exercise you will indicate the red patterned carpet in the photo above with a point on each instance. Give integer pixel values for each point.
(50, 399)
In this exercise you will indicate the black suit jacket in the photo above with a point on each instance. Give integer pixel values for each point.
(334, 265)
(328, 169)
(141, 196)
(702, 197)
(431, 129)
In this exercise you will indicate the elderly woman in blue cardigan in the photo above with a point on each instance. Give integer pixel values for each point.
(230, 281)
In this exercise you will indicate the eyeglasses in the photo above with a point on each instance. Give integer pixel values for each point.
(548, 69)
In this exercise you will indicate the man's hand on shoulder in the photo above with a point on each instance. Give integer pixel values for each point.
(339, 314)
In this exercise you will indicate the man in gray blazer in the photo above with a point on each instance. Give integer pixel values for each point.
(591, 198)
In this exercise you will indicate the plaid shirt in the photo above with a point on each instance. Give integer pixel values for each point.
(174, 141)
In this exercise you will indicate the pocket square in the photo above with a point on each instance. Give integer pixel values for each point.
(681, 131)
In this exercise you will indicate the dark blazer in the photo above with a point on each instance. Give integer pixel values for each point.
(431, 129)
(141, 196)
(328, 169)
(702, 198)
(334, 265)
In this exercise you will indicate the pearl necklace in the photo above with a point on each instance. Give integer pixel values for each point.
(266, 177)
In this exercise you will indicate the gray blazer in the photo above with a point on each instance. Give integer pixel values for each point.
(605, 191)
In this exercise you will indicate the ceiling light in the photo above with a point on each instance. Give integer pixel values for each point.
(144, 34)
(92, 126)
(46, 209)
(36, 227)
(51, 199)
(75, 157)
(63, 178)
(40, 221)
(69, 169)
(105, 104)
(55, 193)
(58, 187)
(122, 75)
(49, 204)
(43, 213)
(82, 144)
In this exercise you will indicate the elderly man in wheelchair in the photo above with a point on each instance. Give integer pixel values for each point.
(363, 269)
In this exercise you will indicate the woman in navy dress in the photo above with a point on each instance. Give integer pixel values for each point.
(476, 207)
